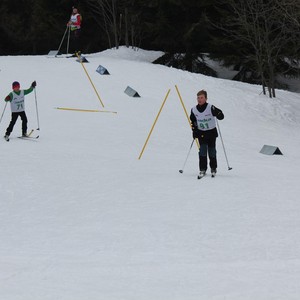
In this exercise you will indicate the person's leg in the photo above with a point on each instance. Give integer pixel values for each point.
(14, 117)
(212, 154)
(24, 122)
(75, 41)
(203, 157)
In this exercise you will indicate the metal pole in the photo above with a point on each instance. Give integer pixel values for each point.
(181, 171)
(68, 43)
(3, 112)
(166, 97)
(229, 168)
(87, 74)
(37, 112)
(185, 111)
(62, 40)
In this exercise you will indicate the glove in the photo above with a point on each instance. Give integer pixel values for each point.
(195, 133)
(33, 85)
(7, 98)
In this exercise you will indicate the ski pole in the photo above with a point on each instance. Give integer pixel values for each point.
(37, 112)
(181, 171)
(229, 168)
(3, 112)
(68, 42)
(62, 40)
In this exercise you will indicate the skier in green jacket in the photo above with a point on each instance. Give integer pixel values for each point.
(17, 105)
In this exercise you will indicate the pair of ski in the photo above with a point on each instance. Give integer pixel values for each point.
(29, 135)
(200, 176)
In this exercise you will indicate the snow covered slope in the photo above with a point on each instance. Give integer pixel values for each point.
(83, 218)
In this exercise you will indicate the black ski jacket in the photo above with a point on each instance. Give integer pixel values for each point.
(209, 134)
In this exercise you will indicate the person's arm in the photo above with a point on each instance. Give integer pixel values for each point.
(28, 91)
(33, 85)
(69, 22)
(8, 97)
(78, 21)
(194, 125)
(216, 112)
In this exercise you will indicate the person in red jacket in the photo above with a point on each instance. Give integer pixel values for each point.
(204, 129)
(75, 27)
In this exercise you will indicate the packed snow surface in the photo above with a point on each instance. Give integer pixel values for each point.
(82, 217)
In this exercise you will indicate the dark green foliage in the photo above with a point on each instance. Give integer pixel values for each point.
(190, 27)
(193, 63)
(259, 36)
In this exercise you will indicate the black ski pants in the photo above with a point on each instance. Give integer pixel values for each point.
(14, 117)
(75, 41)
(208, 146)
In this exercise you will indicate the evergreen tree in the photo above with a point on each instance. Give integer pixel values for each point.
(263, 37)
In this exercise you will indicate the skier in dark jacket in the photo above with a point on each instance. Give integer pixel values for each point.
(204, 129)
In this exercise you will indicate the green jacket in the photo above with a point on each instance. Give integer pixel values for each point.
(9, 97)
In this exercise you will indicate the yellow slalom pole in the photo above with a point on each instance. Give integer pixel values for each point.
(154, 123)
(90, 79)
(85, 110)
(187, 116)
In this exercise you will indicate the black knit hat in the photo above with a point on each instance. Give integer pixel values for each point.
(15, 84)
